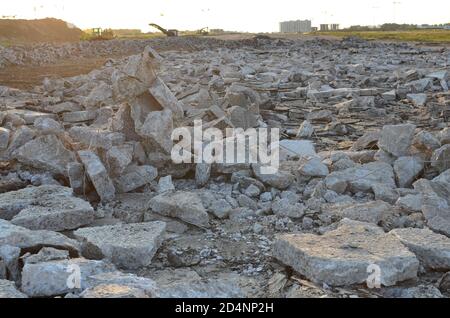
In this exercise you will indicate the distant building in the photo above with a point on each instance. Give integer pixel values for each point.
(314, 29)
(217, 31)
(299, 26)
(334, 27)
(324, 27)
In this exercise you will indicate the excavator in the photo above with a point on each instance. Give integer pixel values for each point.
(170, 33)
(204, 31)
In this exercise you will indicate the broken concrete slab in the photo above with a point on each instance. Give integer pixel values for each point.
(361, 178)
(147, 285)
(129, 246)
(96, 138)
(440, 159)
(79, 116)
(46, 153)
(397, 140)
(105, 291)
(435, 207)
(370, 212)
(280, 180)
(166, 99)
(8, 289)
(157, 131)
(4, 138)
(135, 177)
(62, 213)
(56, 278)
(433, 250)
(9, 256)
(98, 175)
(118, 158)
(407, 169)
(296, 149)
(342, 257)
(418, 100)
(186, 206)
(26, 239)
(77, 178)
(45, 208)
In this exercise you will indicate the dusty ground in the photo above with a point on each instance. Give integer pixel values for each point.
(26, 77)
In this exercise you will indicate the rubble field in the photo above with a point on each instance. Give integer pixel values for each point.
(92, 205)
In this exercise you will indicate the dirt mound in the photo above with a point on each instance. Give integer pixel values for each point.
(43, 30)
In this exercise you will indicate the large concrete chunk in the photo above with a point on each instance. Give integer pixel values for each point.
(135, 177)
(98, 175)
(435, 205)
(370, 212)
(433, 250)
(397, 140)
(56, 199)
(361, 178)
(135, 76)
(46, 153)
(50, 208)
(113, 291)
(157, 131)
(407, 169)
(8, 289)
(26, 239)
(128, 246)
(342, 257)
(96, 138)
(280, 180)
(166, 98)
(147, 285)
(186, 206)
(60, 277)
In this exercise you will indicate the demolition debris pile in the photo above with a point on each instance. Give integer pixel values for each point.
(39, 30)
(88, 183)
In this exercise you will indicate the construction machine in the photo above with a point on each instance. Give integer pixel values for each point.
(98, 34)
(170, 33)
(204, 31)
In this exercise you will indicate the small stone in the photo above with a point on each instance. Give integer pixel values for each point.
(313, 168)
(306, 130)
(202, 174)
(4, 138)
(418, 100)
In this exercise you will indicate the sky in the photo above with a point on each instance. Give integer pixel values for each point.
(232, 15)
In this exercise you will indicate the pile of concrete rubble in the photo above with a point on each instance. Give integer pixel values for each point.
(88, 187)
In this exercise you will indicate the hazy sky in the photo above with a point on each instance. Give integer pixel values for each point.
(236, 15)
